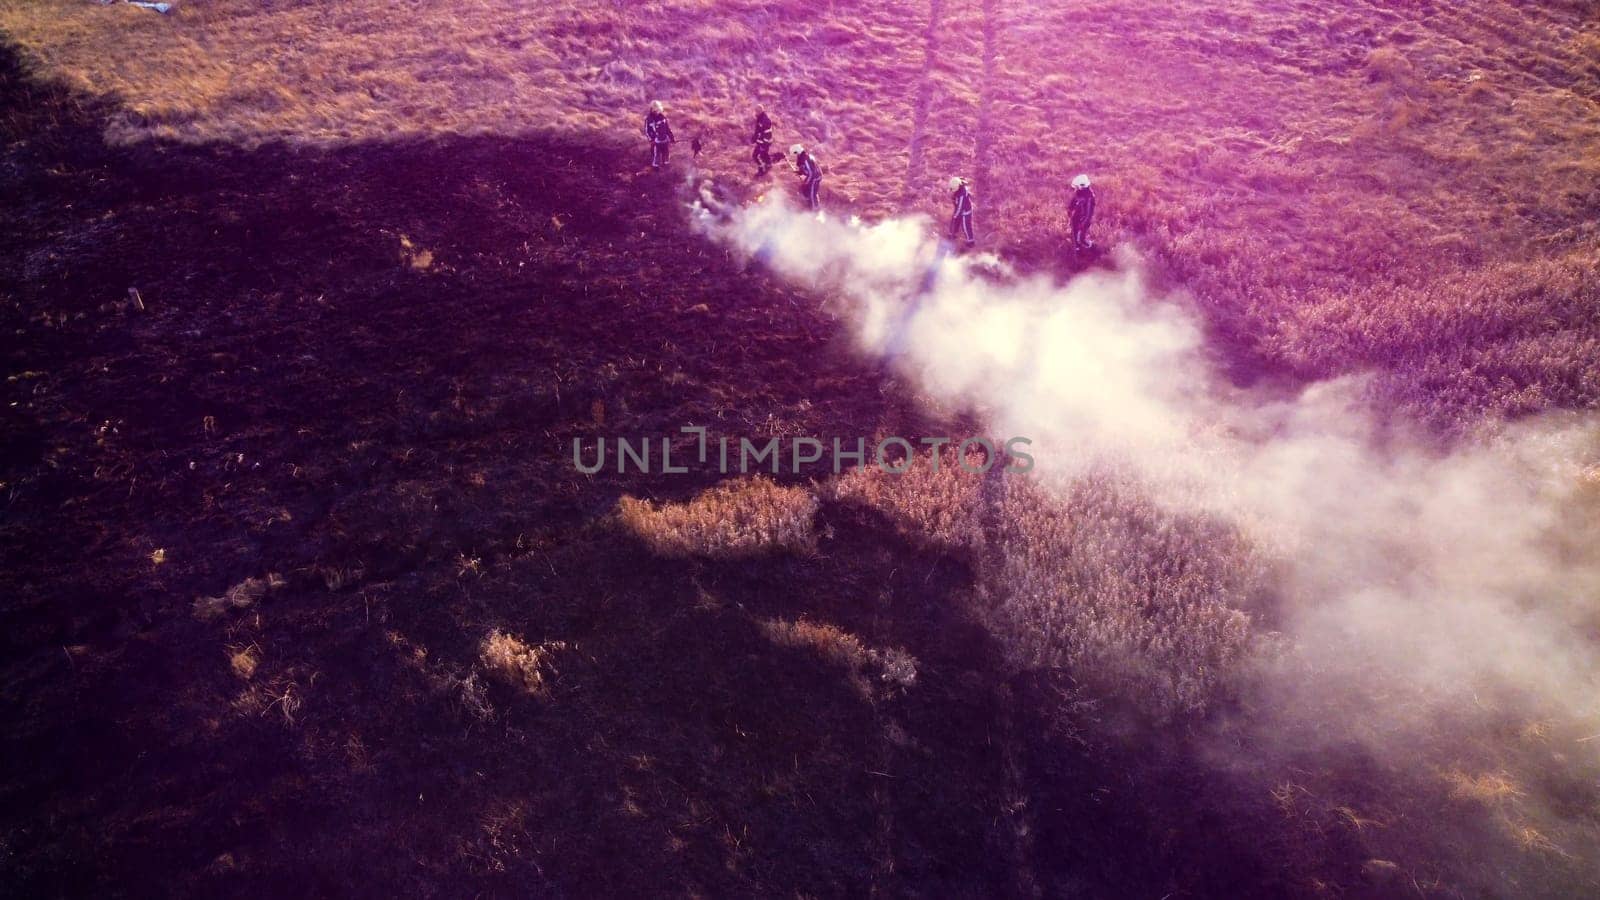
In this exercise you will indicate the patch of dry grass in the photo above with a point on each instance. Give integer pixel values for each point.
(517, 664)
(737, 518)
(1146, 604)
(871, 669)
(244, 661)
(1509, 338)
(1487, 788)
(240, 596)
(940, 507)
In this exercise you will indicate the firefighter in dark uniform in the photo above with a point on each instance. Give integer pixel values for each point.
(810, 174)
(761, 143)
(961, 213)
(659, 133)
(1081, 212)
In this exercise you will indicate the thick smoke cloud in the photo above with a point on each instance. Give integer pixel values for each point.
(1415, 583)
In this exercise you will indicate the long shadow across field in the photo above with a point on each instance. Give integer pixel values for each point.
(343, 382)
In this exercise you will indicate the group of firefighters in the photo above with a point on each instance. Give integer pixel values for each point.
(1080, 208)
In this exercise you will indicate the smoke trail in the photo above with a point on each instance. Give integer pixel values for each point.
(1443, 576)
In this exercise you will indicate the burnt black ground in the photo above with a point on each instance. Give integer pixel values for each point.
(296, 398)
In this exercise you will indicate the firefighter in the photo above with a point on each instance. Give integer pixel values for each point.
(761, 142)
(1081, 212)
(810, 174)
(659, 133)
(961, 214)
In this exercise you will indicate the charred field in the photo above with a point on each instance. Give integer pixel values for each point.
(303, 594)
(388, 448)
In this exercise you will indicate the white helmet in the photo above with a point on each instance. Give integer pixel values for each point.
(956, 181)
(797, 149)
(1081, 182)
(658, 106)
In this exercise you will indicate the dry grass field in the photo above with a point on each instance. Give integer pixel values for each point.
(305, 302)
(1318, 177)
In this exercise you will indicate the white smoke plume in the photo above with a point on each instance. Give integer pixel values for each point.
(1438, 577)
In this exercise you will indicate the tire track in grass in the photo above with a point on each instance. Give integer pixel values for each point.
(983, 141)
(916, 163)
(959, 134)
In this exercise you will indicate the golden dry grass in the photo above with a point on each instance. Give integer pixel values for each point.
(244, 661)
(517, 664)
(1145, 601)
(1100, 579)
(938, 506)
(1487, 788)
(1295, 166)
(890, 668)
(734, 519)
